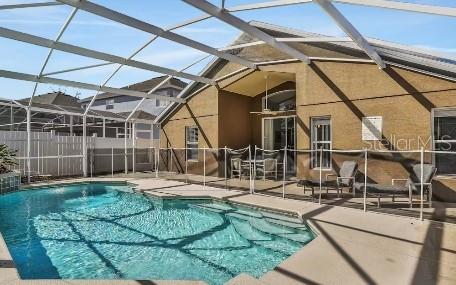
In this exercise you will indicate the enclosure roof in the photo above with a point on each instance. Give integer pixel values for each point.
(423, 61)
(64, 110)
(259, 44)
(144, 86)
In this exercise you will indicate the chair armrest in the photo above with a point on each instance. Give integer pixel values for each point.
(341, 177)
(394, 180)
(424, 183)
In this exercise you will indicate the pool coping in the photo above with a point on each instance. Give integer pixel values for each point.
(338, 239)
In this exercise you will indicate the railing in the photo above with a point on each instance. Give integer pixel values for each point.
(173, 163)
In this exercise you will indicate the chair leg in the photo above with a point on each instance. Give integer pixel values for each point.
(353, 188)
(392, 199)
(378, 201)
(430, 196)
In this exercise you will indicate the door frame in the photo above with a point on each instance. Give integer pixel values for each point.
(433, 140)
(277, 117)
(286, 140)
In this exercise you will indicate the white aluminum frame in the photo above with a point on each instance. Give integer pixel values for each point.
(238, 23)
(223, 13)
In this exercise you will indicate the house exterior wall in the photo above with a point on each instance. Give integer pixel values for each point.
(345, 91)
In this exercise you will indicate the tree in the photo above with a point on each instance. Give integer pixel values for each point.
(7, 158)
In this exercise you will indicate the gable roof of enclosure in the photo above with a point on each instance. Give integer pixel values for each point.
(322, 47)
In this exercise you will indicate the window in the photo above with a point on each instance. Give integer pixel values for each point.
(321, 138)
(445, 140)
(191, 142)
(161, 103)
(284, 100)
(109, 104)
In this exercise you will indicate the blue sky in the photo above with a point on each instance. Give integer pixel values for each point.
(90, 31)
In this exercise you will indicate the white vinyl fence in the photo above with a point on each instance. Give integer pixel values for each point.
(60, 155)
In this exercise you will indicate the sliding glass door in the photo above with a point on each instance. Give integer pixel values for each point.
(279, 132)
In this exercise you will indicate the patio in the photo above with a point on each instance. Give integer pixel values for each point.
(358, 247)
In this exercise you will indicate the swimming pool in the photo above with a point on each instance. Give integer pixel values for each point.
(105, 231)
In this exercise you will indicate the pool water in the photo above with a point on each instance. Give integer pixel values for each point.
(105, 231)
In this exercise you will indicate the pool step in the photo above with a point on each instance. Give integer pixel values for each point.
(297, 226)
(261, 228)
(220, 208)
(208, 207)
(248, 232)
(280, 217)
(268, 228)
(244, 279)
(303, 237)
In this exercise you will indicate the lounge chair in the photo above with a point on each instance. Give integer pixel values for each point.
(345, 178)
(411, 186)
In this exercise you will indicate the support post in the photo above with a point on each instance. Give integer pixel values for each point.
(29, 142)
(321, 168)
(158, 160)
(104, 127)
(421, 182)
(133, 138)
(250, 168)
(58, 157)
(126, 148)
(226, 164)
(186, 164)
(112, 161)
(71, 125)
(284, 171)
(254, 170)
(204, 166)
(91, 163)
(38, 153)
(365, 181)
(84, 145)
(11, 118)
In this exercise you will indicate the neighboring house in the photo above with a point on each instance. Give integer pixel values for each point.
(54, 98)
(125, 104)
(60, 121)
(342, 100)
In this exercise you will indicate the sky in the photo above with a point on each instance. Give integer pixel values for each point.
(431, 32)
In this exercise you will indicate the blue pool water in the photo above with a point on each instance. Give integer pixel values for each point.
(105, 231)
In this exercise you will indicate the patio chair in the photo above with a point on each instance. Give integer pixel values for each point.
(266, 167)
(238, 167)
(411, 186)
(345, 178)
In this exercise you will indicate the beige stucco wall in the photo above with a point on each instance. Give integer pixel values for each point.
(346, 91)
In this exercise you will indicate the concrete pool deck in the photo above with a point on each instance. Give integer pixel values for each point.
(352, 247)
